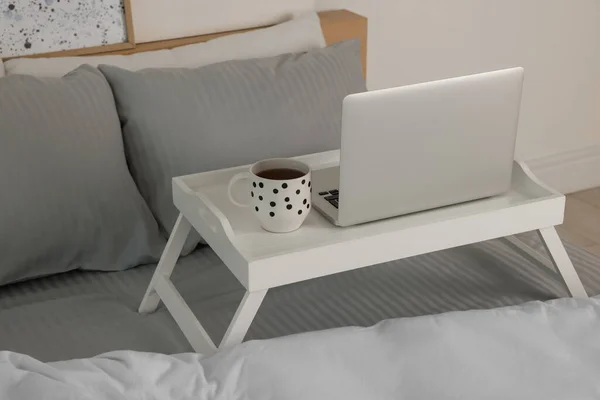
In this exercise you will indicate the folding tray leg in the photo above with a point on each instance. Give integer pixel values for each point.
(166, 264)
(562, 262)
(243, 318)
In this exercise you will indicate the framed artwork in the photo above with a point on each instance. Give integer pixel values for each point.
(64, 27)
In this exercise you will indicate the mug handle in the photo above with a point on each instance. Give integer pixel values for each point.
(233, 181)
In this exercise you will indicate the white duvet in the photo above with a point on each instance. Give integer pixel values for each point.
(536, 351)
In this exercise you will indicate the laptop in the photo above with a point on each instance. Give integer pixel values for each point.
(419, 147)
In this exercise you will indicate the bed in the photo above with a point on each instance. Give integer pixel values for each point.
(532, 351)
(79, 314)
(83, 314)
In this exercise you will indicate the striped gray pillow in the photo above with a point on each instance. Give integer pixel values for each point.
(183, 121)
(67, 200)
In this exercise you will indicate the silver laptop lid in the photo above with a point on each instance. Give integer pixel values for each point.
(428, 145)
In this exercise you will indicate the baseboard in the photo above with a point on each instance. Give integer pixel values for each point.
(570, 171)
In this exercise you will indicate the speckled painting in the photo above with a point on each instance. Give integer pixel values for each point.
(42, 26)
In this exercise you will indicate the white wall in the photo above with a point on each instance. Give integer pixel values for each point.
(556, 41)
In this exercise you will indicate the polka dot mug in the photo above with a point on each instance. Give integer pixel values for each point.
(280, 192)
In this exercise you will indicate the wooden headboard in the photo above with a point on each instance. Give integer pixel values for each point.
(337, 26)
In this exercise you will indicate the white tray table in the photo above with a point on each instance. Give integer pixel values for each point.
(261, 260)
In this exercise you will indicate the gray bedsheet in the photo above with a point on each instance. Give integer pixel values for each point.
(81, 314)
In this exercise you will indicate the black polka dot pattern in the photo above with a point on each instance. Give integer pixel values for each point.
(287, 200)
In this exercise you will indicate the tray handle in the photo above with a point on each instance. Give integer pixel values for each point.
(206, 212)
(213, 217)
(525, 176)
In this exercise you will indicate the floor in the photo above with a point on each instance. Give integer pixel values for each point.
(582, 220)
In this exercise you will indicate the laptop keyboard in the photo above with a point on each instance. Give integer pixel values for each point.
(332, 196)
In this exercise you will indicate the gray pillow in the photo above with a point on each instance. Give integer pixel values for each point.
(67, 200)
(184, 121)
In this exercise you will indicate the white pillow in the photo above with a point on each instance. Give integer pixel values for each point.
(167, 19)
(1, 69)
(296, 35)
